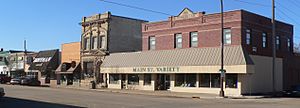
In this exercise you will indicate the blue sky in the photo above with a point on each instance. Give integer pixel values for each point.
(46, 24)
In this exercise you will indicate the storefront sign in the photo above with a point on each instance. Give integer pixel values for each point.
(42, 59)
(156, 69)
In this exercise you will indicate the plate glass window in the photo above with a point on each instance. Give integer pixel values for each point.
(231, 80)
(147, 79)
(178, 40)
(227, 36)
(194, 39)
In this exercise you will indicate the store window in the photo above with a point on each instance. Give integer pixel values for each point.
(114, 78)
(231, 80)
(178, 40)
(264, 40)
(248, 36)
(94, 42)
(147, 79)
(89, 70)
(227, 36)
(215, 80)
(185, 80)
(133, 79)
(190, 80)
(204, 80)
(152, 43)
(179, 80)
(194, 39)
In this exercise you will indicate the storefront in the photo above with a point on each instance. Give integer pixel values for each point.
(44, 66)
(68, 73)
(191, 70)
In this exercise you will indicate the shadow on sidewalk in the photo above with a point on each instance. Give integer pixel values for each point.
(8, 102)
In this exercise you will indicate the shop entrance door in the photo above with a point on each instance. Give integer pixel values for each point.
(123, 80)
(163, 82)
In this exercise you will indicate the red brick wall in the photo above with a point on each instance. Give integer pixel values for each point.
(208, 28)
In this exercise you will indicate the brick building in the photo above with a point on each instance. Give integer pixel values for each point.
(182, 54)
(103, 34)
(69, 71)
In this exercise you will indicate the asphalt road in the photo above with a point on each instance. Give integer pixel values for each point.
(42, 97)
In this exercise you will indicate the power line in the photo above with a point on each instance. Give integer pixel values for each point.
(287, 9)
(288, 16)
(252, 3)
(135, 7)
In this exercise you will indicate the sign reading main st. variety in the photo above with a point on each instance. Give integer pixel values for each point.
(155, 69)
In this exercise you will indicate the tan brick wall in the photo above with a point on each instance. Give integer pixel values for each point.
(70, 52)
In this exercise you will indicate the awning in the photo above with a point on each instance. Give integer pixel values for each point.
(195, 60)
(71, 70)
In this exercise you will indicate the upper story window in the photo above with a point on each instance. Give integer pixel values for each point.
(289, 44)
(227, 36)
(94, 42)
(194, 39)
(264, 40)
(277, 42)
(178, 40)
(101, 42)
(152, 43)
(248, 36)
(86, 43)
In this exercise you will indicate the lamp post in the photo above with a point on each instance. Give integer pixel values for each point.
(222, 71)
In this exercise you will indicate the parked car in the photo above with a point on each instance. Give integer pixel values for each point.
(24, 81)
(15, 81)
(294, 92)
(34, 82)
(2, 93)
(4, 79)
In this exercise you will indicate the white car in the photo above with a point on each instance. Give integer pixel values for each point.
(2, 92)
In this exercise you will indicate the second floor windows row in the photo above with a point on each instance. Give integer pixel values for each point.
(94, 42)
(193, 40)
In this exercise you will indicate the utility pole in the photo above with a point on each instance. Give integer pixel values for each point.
(25, 55)
(222, 71)
(274, 46)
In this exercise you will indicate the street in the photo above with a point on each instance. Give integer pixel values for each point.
(44, 97)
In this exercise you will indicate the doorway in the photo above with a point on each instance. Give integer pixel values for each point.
(123, 80)
(162, 82)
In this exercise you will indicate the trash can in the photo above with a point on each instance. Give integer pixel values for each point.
(93, 83)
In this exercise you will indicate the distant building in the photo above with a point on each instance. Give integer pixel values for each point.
(103, 34)
(4, 64)
(182, 54)
(19, 62)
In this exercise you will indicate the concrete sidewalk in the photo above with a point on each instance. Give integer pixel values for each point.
(166, 93)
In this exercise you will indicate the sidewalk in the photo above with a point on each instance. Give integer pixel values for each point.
(166, 93)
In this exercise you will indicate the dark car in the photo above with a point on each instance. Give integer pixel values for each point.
(294, 92)
(34, 82)
(4, 79)
(2, 93)
(24, 81)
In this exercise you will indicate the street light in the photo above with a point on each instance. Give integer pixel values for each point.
(222, 71)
